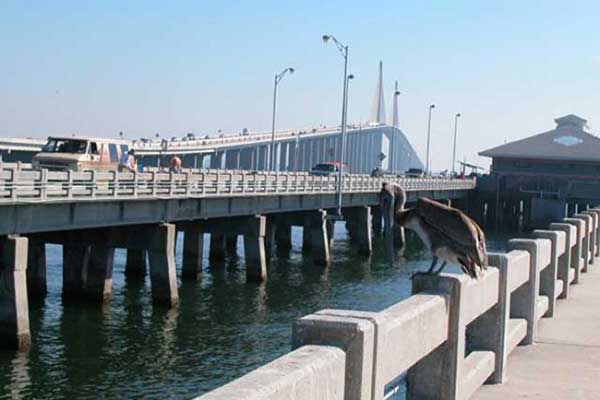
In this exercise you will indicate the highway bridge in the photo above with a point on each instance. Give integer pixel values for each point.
(91, 213)
(368, 146)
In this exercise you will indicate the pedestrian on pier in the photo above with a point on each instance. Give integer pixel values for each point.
(128, 162)
(175, 164)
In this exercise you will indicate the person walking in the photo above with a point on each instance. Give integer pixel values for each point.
(175, 164)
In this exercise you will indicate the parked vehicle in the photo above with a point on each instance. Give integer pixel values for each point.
(79, 154)
(328, 168)
(415, 173)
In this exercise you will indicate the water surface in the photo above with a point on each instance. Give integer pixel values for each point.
(222, 328)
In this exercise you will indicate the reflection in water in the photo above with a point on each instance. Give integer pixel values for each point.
(20, 379)
(222, 328)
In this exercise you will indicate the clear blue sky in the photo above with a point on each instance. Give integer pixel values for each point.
(142, 67)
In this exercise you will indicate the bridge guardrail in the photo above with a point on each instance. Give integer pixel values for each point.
(451, 336)
(29, 185)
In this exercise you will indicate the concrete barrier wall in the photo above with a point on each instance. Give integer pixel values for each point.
(309, 373)
(450, 337)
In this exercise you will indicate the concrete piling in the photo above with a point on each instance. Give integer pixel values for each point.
(135, 266)
(319, 238)
(217, 247)
(254, 249)
(36, 269)
(231, 244)
(283, 237)
(193, 243)
(377, 220)
(87, 272)
(306, 240)
(14, 306)
(358, 222)
(161, 252)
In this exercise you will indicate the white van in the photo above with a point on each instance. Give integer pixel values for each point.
(80, 154)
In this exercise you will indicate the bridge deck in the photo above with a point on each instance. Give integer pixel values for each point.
(565, 361)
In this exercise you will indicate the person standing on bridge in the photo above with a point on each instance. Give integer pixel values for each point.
(175, 164)
(128, 162)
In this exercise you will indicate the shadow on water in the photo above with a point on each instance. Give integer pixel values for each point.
(222, 328)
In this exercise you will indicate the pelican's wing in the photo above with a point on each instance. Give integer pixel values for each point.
(456, 227)
(447, 220)
(481, 248)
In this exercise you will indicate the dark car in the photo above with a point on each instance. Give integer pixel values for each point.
(415, 173)
(328, 168)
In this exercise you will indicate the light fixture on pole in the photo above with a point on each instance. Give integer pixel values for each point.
(431, 107)
(278, 78)
(344, 52)
(454, 150)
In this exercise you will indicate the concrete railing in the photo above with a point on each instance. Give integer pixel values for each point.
(28, 185)
(450, 337)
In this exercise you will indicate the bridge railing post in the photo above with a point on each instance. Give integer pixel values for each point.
(549, 284)
(527, 302)
(450, 371)
(564, 270)
(92, 183)
(43, 184)
(586, 245)
(13, 184)
(594, 235)
(577, 250)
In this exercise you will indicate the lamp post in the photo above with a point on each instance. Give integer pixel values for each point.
(344, 52)
(278, 78)
(431, 107)
(454, 149)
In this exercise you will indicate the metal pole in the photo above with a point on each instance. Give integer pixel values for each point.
(454, 149)
(343, 132)
(272, 158)
(431, 107)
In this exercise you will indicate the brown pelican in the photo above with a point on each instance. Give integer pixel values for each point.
(449, 234)
(392, 197)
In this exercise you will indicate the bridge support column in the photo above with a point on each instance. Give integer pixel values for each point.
(330, 230)
(269, 238)
(217, 247)
(231, 244)
(254, 249)
(193, 243)
(87, 272)
(283, 237)
(36, 269)
(319, 237)
(306, 239)
(377, 221)
(358, 221)
(163, 276)
(135, 266)
(14, 306)
(393, 233)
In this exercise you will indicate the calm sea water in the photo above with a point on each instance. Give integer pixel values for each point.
(222, 328)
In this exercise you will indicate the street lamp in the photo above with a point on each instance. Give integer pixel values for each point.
(344, 52)
(278, 78)
(431, 107)
(454, 150)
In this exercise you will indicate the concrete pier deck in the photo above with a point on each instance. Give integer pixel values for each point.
(564, 362)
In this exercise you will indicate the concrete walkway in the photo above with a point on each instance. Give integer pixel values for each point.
(564, 363)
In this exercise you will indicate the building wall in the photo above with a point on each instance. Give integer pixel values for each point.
(545, 167)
